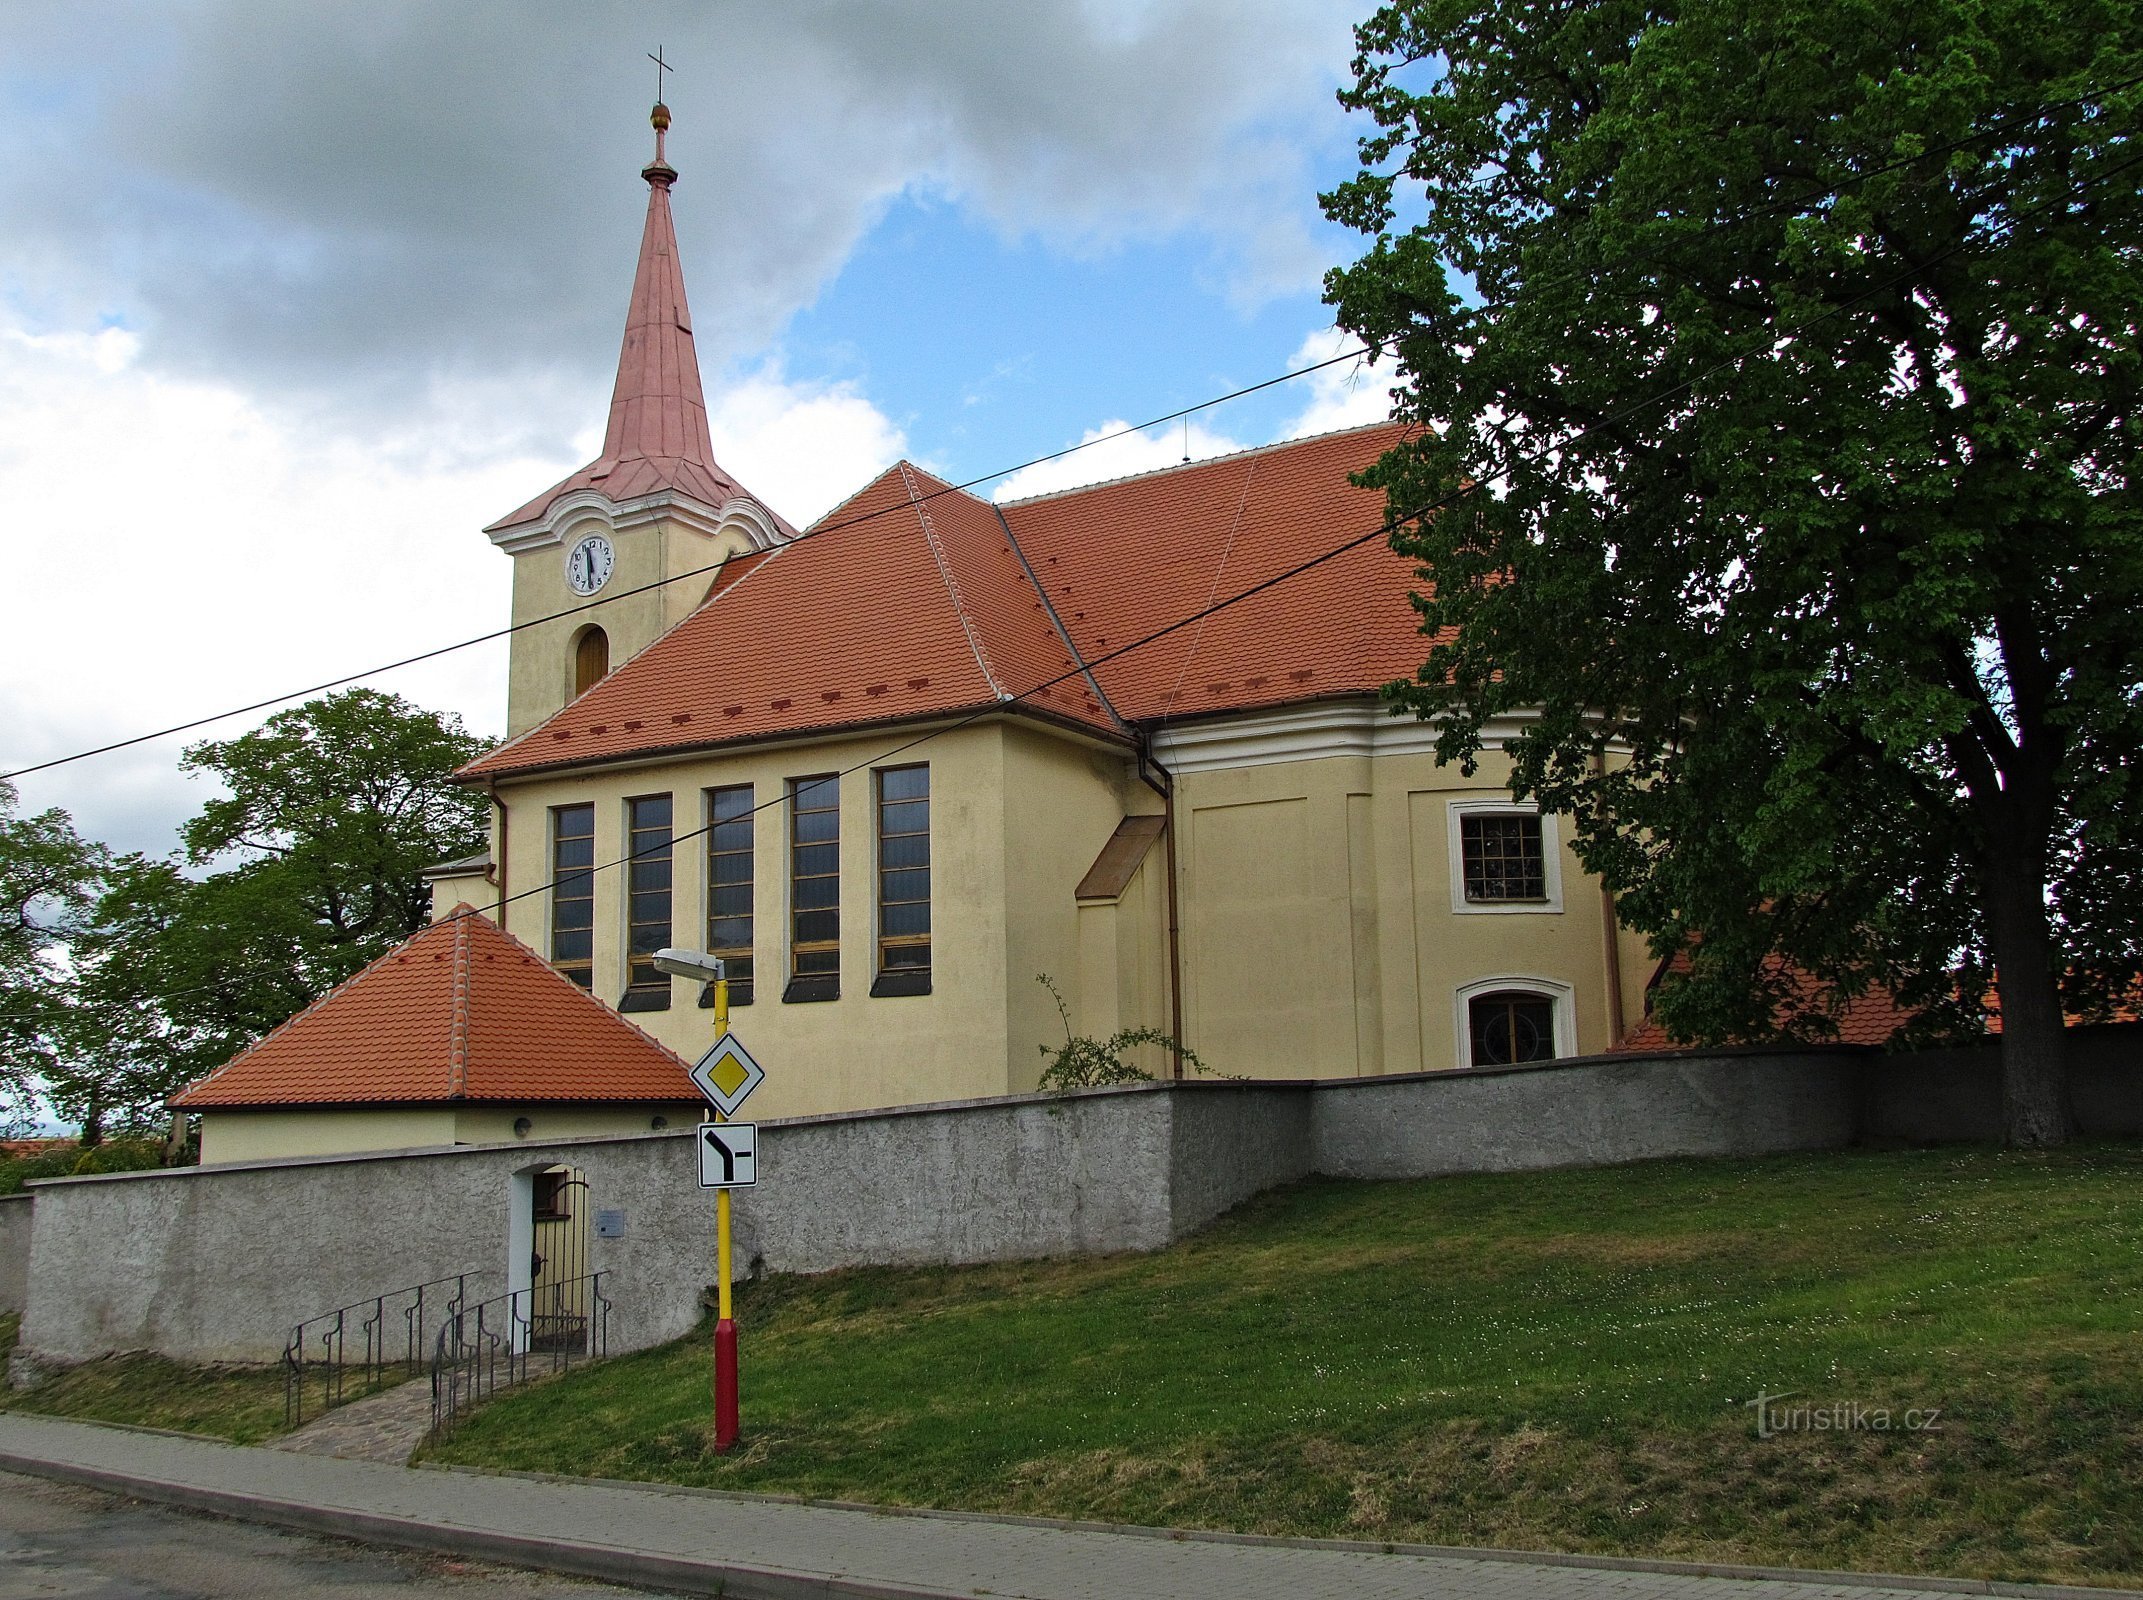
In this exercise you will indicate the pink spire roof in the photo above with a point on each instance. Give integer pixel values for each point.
(657, 439)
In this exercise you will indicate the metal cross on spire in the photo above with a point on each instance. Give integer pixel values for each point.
(661, 66)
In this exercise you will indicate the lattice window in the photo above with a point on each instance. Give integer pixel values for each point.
(573, 893)
(647, 901)
(729, 888)
(1504, 861)
(903, 881)
(814, 889)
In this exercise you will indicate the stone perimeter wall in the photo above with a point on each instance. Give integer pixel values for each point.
(217, 1263)
(14, 1252)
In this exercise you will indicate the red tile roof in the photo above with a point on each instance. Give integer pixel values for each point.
(1123, 559)
(1867, 1019)
(462, 1011)
(910, 601)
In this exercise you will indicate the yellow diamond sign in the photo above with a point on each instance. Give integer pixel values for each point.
(727, 1074)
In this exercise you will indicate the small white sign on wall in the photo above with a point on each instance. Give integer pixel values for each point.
(610, 1224)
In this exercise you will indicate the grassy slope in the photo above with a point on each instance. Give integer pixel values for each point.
(244, 1404)
(1548, 1361)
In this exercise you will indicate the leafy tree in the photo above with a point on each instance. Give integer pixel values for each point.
(49, 877)
(1785, 353)
(334, 809)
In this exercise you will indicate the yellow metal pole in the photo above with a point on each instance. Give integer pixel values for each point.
(725, 1328)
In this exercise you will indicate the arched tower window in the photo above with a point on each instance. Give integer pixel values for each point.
(591, 659)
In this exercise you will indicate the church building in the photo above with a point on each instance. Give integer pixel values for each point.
(895, 766)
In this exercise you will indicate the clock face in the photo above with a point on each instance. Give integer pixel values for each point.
(588, 564)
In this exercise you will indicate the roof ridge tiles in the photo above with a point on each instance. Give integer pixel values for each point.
(1193, 466)
(952, 583)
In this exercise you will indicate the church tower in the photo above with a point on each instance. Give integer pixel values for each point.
(655, 504)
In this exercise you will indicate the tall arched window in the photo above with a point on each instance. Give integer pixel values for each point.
(591, 659)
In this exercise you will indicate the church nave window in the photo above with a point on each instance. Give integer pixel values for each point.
(573, 892)
(814, 889)
(903, 881)
(729, 889)
(647, 902)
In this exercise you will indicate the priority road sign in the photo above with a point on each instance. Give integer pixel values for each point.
(727, 1074)
(728, 1155)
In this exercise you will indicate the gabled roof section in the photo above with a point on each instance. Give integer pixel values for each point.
(1127, 558)
(914, 599)
(906, 601)
(461, 1011)
(657, 440)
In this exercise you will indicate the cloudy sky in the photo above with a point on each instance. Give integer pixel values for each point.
(295, 297)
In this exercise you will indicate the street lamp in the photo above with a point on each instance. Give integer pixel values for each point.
(704, 968)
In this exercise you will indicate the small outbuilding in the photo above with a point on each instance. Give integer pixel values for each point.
(460, 1035)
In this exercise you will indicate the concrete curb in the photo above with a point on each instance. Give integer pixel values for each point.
(1387, 1547)
(607, 1563)
(706, 1575)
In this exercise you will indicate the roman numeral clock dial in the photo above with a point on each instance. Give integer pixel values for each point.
(588, 564)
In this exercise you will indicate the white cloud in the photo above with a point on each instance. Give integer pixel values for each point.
(366, 201)
(1349, 395)
(1122, 456)
(172, 548)
(800, 447)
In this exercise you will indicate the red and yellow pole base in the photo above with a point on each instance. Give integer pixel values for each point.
(725, 1326)
(725, 1338)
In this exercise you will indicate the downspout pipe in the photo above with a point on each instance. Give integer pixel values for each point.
(499, 866)
(1155, 776)
(1158, 778)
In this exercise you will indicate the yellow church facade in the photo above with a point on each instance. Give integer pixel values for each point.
(895, 766)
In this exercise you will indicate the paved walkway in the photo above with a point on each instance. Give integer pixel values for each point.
(759, 1549)
(387, 1426)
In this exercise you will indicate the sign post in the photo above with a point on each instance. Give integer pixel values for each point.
(725, 1325)
(728, 1159)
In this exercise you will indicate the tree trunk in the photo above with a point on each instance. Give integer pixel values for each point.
(92, 1122)
(2035, 1069)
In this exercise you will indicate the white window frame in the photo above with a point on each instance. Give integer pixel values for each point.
(1551, 859)
(1560, 995)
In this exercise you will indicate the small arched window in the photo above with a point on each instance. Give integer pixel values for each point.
(591, 659)
(1507, 1026)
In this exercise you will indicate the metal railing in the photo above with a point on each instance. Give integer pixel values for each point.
(349, 1351)
(530, 1333)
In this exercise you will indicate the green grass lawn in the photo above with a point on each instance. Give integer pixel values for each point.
(1550, 1361)
(244, 1404)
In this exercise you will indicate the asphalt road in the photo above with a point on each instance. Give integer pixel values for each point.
(58, 1542)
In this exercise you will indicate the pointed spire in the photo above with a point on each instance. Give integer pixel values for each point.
(657, 409)
(656, 443)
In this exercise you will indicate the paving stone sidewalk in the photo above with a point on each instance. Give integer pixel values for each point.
(758, 1549)
(387, 1427)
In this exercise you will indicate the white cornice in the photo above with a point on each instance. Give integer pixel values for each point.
(1354, 727)
(759, 525)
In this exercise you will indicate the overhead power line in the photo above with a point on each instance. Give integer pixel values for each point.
(818, 531)
(1853, 180)
(1769, 339)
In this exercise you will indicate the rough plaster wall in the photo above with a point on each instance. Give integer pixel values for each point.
(997, 1181)
(1586, 1113)
(209, 1263)
(1232, 1141)
(14, 1252)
